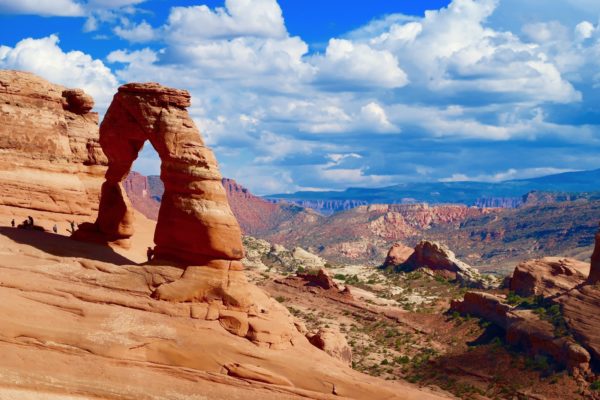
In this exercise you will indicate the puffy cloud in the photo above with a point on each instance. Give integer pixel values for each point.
(44, 57)
(258, 18)
(61, 8)
(443, 81)
(139, 33)
(393, 100)
(348, 65)
(584, 30)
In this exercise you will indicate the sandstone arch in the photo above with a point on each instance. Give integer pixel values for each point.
(195, 223)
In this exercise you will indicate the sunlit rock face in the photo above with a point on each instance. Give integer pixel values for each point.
(50, 157)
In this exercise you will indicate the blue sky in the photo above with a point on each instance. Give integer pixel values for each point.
(296, 95)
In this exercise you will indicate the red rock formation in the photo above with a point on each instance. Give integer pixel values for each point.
(320, 279)
(580, 309)
(548, 276)
(51, 159)
(442, 260)
(524, 328)
(398, 254)
(594, 276)
(255, 215)
(195, 223)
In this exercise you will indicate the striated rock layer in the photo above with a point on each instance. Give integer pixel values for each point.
(524, 328)
(195, 223)
(50, 158)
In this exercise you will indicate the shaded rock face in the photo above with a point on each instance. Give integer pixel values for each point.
(525, 329)
(195, 223)
(397, 255)
(580, 307)
(548, 276)
(51, 159)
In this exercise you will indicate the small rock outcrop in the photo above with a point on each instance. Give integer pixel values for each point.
(320, 279)
(195, 224)
(548, 276)
(333, 342)
(397, 255)
(51, 159)
(439, 258)
(262, 255)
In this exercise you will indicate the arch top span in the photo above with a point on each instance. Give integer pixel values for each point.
(195, 223)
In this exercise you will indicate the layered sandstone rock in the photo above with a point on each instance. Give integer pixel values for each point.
(525, 329)
(580, 309)
(548, 276)
(440, 259)
(195, 223)
(50, 158)
(397, 255)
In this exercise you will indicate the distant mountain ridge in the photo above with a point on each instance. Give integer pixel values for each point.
(507, 194)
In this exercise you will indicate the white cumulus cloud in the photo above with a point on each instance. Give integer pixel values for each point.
(45, 58)
(61, 8)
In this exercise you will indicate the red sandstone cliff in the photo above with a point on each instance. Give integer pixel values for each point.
(50, 160)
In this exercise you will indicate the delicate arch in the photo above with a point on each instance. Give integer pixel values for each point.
(195, 222)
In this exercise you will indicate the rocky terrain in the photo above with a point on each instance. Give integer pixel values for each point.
(492, 239)
(498, 241)
(94, 318)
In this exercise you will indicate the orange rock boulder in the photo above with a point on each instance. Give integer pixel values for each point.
(333, 342)
(397, 255)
